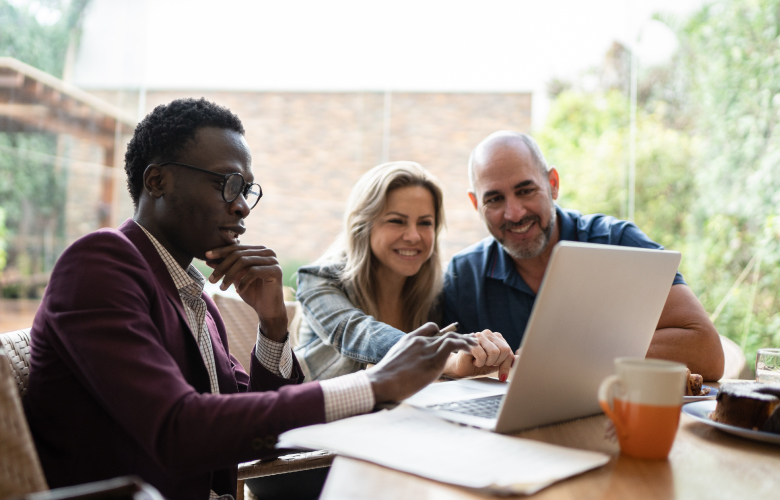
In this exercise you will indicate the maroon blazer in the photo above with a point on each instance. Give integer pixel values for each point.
(117, 384)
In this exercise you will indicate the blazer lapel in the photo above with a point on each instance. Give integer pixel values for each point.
(137, 236)
(144, 245)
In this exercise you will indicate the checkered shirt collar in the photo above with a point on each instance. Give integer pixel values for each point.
(189, 282)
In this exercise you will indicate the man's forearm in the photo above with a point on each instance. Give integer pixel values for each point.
(686, 334)
(700, 350)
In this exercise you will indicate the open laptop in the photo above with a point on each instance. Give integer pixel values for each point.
(596, 303)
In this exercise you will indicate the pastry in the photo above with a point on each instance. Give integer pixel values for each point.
(694, 385)
(748, 405)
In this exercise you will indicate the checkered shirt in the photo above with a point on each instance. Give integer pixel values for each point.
(276, 357)
(190, 285)
(347, 395)
(344, 396)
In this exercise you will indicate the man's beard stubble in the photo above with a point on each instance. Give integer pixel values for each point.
(534, 247)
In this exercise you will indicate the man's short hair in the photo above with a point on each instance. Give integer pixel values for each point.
(165, 131)
(507, 136)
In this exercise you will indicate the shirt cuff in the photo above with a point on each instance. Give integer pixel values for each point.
(276, 357)
(347, 396)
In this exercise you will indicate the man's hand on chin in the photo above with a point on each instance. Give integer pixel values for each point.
(257, 276)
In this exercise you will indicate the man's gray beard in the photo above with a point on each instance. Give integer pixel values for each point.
(537, 247)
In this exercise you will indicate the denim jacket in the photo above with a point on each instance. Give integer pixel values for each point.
(336, 337)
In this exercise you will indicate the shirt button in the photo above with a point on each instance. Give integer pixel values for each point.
(258, 444)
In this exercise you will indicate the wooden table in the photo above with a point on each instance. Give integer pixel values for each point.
(704, 463)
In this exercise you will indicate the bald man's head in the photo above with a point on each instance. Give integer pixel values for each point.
(514, 192)
(499, 142)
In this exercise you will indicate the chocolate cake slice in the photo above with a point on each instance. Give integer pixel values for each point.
(745, 405)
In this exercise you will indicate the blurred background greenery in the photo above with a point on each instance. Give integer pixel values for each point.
(32, 188)
(707, 169)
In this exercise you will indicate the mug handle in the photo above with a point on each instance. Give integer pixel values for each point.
(606, 396)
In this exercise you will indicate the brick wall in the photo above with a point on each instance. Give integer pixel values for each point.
(309, 149)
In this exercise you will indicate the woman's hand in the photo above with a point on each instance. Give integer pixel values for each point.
(492, 353)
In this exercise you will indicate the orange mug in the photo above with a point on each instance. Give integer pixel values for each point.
(643, 400)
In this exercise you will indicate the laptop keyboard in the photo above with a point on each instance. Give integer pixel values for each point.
(480, 407)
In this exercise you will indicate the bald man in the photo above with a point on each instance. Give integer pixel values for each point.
(493, 284)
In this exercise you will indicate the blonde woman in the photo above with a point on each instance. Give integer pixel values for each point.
(381, 279)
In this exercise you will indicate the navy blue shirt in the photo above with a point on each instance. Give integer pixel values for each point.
(483, 290)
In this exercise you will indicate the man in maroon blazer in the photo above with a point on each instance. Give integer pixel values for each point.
(131, 371)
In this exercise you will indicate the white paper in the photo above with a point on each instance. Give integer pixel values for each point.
(414, 441)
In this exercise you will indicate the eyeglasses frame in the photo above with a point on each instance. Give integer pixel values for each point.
(225, 178)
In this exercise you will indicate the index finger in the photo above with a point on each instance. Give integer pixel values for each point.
(223, 258)
(222, 252)
(467, 340)
(448, 345)
(427, 330)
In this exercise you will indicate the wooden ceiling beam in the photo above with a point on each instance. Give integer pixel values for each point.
(38, 118)
(35, 86)
(34, 101)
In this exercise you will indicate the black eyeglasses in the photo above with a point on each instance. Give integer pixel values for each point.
(232, 185)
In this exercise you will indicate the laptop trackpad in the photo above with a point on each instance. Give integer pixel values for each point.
(457, 390)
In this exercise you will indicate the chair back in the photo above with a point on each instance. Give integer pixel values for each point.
(17, 349)
(20, 468)
(241, 324)
(734, 358)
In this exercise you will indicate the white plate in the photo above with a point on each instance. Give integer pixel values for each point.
(701, 412)
(711, 395)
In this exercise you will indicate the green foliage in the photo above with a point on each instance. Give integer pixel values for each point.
(586, 137)
(290, 272)
(732, 51)
(32, 196)
(24, 38)
(708, 161)
(3, 255)
(42, 45)
(32, 189)
(29, 184)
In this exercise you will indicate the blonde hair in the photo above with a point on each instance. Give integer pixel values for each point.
(353, 245)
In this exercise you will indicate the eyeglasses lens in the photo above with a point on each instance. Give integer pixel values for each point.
(234, 186)
(253, 194)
